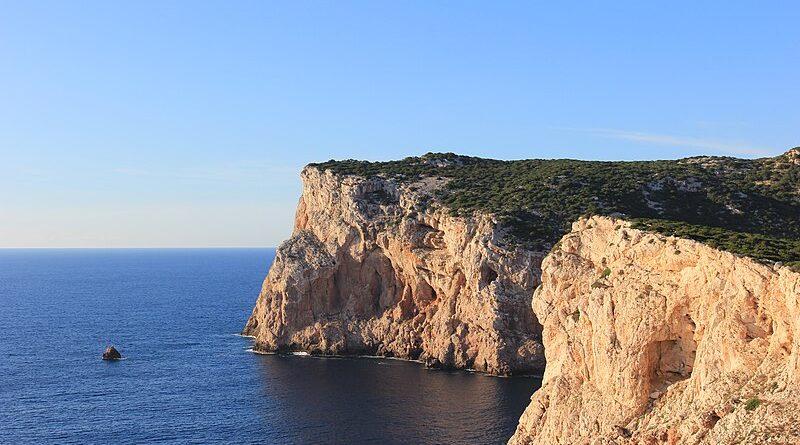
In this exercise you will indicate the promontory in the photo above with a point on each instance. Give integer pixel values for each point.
(661, 299)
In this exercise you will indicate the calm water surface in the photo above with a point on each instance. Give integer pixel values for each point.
(186, 377)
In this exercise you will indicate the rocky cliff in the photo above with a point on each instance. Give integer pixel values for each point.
(652, 339)
(674, 325)
(374, 268)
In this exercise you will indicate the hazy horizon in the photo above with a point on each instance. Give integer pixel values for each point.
(180, 125)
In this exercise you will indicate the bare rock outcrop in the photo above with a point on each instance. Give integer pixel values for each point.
(373, 268)
(111, 353)
(652, 339)
(793, 155)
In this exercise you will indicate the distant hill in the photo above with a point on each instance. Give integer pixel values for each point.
(746, 206)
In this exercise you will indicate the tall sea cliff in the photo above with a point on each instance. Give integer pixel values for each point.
(662, 295)
(372, 268)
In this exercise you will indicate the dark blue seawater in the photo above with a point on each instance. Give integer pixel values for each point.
(188, 379)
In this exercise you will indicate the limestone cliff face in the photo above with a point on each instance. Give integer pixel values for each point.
(371, 268)
(652, 339)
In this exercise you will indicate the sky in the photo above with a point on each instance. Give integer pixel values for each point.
(186, 124)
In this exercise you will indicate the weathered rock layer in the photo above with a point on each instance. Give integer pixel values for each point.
(652, 339)
(372, 268)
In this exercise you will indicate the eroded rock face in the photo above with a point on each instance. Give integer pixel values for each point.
(653, 340)
(372, 269)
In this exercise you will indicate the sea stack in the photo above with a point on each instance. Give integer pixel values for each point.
(111, 353)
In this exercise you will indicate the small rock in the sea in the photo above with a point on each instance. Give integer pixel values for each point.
(111, 353)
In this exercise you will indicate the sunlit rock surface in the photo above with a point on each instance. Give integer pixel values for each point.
(373, 268)
(652, 339)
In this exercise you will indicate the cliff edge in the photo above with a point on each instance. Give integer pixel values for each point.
(659, 340)
(374, 268)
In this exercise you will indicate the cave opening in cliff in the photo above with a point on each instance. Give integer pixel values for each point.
(673, 358)
(488, 275)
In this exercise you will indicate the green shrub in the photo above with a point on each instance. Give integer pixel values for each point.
(752, 404)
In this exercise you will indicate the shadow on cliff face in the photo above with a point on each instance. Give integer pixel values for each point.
(355, 401)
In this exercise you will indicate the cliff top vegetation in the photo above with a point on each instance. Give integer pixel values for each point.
(746, 206)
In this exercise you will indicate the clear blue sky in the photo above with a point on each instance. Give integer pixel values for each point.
(170, 123)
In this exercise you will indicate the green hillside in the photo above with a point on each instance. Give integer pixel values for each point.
(746, 206)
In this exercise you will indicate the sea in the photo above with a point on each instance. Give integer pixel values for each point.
(187, 377)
